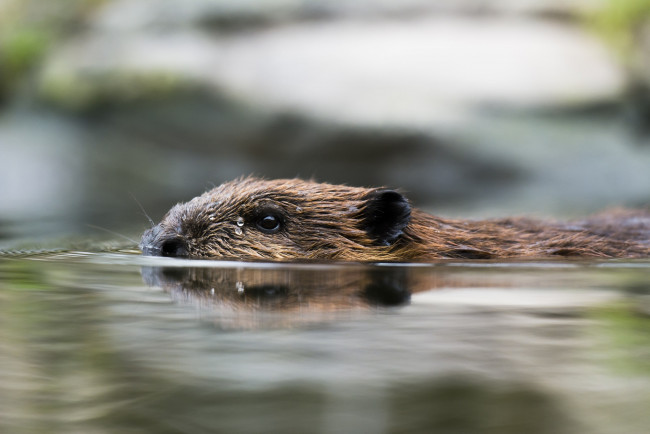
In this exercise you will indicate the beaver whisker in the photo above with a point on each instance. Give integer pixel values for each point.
(142, 209)
(111, 232)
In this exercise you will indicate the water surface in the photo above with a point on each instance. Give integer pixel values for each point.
(115, 342)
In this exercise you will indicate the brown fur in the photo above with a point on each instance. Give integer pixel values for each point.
(333, 222)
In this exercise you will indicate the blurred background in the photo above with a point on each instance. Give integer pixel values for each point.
(473, 107)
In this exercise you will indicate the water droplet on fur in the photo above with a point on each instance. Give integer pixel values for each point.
(238, 230)
(212, 291)
(240, 287)
(298, 209)
(211, 219)
(240, 221)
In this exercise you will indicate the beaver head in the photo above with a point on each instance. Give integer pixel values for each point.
(290, 219)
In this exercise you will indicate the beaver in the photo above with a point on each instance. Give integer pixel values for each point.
(293, 219)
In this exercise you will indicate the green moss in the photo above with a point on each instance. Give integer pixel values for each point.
(619, 20)
(85, 91)
(29, 28)
(22, 49)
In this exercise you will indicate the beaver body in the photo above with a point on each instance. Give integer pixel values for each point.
(292, 219)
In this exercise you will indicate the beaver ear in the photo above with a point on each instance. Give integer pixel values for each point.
(385, 215)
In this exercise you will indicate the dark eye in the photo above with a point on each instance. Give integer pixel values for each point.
(269, 224)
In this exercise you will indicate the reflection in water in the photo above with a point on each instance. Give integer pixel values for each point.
(508, 348)
(283, 289)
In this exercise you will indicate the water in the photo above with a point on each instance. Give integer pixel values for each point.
(104, 342)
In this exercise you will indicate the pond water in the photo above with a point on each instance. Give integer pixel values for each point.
(110, 341)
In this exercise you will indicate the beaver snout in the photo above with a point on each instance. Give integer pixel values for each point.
(156, 242)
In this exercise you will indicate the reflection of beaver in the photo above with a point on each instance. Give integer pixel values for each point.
(293, 219)
(304, 289)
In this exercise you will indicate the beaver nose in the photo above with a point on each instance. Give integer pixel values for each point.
(174, 247)
(155, 243)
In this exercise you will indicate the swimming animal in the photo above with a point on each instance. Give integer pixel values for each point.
(293, 219)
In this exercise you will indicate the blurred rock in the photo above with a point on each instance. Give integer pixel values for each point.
(415, 72)
(220, 15)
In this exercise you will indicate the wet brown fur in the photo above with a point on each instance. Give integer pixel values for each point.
(329, 222)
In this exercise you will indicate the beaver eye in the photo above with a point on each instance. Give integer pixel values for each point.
(269, 224)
